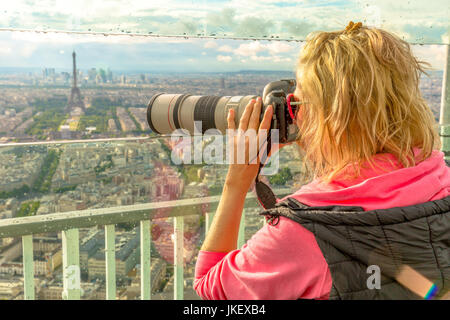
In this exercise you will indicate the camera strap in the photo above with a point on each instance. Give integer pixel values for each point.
(264, 193)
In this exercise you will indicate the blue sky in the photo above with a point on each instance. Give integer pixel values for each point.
(416, 21)
(30, 49)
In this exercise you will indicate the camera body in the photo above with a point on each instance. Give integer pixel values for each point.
(275, 94)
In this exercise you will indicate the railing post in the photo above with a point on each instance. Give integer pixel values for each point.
(28, 267)
(146, 289)
(241, 235)
(110, 259)
(444, 119)
(71, 264)
(209, 216)
(178, 258)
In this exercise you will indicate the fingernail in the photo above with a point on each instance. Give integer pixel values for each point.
(259, 98)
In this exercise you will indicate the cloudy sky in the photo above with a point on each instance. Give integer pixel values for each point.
(415, 20)
(424, 22)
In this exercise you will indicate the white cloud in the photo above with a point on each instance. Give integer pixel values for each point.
(27, 50)
(210, 45)
(4, 50)
(224, 58)
(261, 58)
(238, 18)
(225, 48)
(433, 54)
(235, 18)
(281, 59)
(279, 47)
(276, 59)
(273, 48)
(249, 49)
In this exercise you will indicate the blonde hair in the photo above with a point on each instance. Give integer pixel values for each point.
(362, 89)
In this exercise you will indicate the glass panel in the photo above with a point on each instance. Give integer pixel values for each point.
(416, 21)
(111, 158)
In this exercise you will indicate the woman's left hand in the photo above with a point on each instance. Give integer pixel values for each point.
(242, 173)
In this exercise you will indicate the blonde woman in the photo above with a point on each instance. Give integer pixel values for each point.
(379, 198)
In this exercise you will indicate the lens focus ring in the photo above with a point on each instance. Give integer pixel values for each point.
(204, 111)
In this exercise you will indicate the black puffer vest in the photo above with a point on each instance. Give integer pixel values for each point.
(352, 239)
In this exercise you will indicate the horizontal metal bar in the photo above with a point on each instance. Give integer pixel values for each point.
(271, 37)
(84, 141)
(93, 217)
(150, 35)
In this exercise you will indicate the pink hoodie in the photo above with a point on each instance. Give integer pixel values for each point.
(285, 262)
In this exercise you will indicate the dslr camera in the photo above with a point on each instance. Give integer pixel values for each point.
(169, 112)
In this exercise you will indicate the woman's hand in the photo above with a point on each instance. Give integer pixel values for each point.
(242, 173)
(223, 234)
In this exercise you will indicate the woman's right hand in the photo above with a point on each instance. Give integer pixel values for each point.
(243, 174)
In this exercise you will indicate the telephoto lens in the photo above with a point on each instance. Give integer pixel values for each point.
(169, 112)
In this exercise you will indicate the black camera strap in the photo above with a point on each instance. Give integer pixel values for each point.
(265, 195)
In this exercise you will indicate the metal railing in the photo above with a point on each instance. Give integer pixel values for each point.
(444, 119)
(68, 223)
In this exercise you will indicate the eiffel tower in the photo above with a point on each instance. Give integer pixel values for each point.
(75, 94)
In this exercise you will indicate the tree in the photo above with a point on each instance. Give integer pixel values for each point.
(281, 177)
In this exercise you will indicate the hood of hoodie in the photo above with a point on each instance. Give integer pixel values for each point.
(387, 185)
